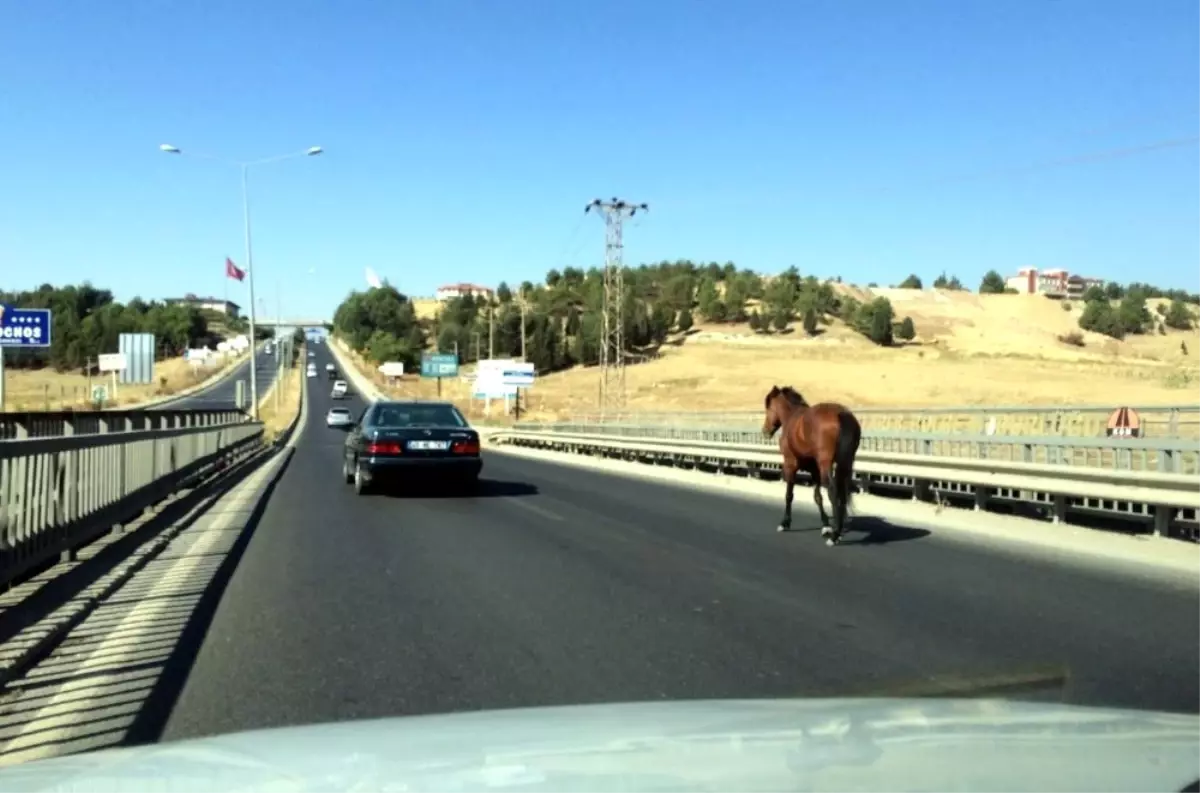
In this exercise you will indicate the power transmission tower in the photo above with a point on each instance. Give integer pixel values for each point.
(612, 326)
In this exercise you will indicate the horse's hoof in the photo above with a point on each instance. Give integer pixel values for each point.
(826, 531)
(781, 528)
(830, 542)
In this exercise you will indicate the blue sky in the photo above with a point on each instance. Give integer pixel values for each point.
(867, 139)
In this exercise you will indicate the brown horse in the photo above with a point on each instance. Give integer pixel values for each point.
(820, 440)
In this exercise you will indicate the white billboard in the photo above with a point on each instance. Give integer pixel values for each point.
(392, 369)
(112, 362)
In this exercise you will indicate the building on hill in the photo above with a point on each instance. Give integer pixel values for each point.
(1051, 283)
(226, 307)
(463, 289)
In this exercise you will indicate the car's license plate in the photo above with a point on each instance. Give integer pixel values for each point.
(430, 446)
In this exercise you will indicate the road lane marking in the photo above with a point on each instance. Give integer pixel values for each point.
(534, 508)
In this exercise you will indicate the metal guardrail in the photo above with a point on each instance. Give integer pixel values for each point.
(52, 424)
(1164, 455)
(1158, 421)
(57, 493)
(1162, 499)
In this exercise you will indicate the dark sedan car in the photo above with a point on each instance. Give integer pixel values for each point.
(400, 440)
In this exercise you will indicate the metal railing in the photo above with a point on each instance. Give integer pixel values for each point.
(53, 424)
(1165, 455)
(57, 493)
(1157, 421)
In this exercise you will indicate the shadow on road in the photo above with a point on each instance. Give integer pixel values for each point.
(876, 531)
(487, 488)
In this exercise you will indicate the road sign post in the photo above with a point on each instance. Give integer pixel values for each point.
(22, 327)
(438, 365)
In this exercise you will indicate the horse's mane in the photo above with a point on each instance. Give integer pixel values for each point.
(793, 396)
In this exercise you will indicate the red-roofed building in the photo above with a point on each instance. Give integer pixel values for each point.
(461, 290)
(1051, 283)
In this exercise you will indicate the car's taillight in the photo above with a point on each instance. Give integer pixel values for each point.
(384, 448)
(465, 447)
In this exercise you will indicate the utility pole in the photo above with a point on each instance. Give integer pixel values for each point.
(612, 327)
(521, 298)
(491, 329)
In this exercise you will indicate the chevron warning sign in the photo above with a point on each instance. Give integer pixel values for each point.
(1124, 423)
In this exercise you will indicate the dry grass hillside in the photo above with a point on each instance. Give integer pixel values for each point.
(46, 389)
(970, 349)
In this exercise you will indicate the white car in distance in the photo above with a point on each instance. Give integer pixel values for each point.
(338, 417)
(339, 389)
(312, 370)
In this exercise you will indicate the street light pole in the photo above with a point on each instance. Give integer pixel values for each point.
(312, 151)
(250, 277)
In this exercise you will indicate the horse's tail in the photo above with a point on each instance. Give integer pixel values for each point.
(849, 436)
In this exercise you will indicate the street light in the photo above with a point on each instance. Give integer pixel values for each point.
(244, 165)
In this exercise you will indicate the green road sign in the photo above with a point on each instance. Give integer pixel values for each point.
(439, 365)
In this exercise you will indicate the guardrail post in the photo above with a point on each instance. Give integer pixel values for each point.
(21, 429)
(981, 498)
(1059, 509)
(1162, 520)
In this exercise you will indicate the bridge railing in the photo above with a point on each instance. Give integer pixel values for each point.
(57, 493)
(51, 424)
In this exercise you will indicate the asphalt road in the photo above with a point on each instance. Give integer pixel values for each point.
(222, 393)
(559, 586)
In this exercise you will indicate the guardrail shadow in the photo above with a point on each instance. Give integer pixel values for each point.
(113, 679)
(55, 584)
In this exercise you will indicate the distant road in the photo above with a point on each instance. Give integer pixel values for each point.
(223, 393)
(556, 585)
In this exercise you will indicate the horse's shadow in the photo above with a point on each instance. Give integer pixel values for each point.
(866, 531)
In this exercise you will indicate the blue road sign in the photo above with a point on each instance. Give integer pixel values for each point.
(519, 374)
(24, 327)
(439, 365)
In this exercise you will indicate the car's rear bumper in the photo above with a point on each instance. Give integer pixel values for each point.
(377, 468)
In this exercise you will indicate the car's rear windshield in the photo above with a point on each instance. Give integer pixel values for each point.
(417, 416)
(340, 411)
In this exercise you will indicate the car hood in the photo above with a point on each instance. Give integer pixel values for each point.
(889, 744)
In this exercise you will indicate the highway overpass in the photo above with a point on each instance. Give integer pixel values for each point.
(275, 322)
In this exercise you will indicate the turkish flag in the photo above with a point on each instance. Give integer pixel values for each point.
(232, 271)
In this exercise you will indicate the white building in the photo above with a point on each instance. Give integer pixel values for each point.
(461, 290)
(1051, 283)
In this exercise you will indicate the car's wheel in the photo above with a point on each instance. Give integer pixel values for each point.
(347, 474)
(360, 482)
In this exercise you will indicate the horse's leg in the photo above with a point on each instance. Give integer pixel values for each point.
(825, 478)
(789, 476)
(813, 470)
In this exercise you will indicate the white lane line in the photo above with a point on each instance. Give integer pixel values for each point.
(534, 508)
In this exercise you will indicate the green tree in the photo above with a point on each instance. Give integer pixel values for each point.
(992, 284)
(1177, 315)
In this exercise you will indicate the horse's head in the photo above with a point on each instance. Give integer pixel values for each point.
(779, 404)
